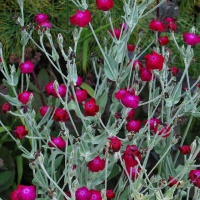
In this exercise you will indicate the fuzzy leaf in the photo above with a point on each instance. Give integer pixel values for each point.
(57, 161)
(91, 156)
(14, 79)
(176, 95)
(12, 100)
(84, 148)
(115, 171)
(125, 73)
(24, 38)
(97, 139)
(111, 70)
(101, 101)
(99, 177)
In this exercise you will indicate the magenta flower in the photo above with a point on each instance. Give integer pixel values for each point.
(153, 122)
(104, 5)
(46, 24)
(130, 154)
(13, 194)
(24, 192)
(130, 101)
(124, 26)
(115, 33)
(96, 195)
(133, 125)
(27, 193)
(49, 88)
(90, 107)
(194, 176)
(58, 142)
(163, 40)
(20, 132)
(137, 63)
(81, 18)
(24, 97)
(120, 94)
(169, 20)
(62, 89)
(43, 110)
(115, 143)
(79, 81)
(172, 181)
(5, 107)
(83, 194)
(40, 17)
(174, 70)
(81, 95)
(157, 25)
(191, 39)
(110, 194)
(171, 23)
(60, 115)
(97, 164)
(185, 149)
(27, 67)
(164, 132)
(172, 26)
(132, 172)
(68, 194)
(154, 61)
(130, 115)
(145, 74)
(130, 47)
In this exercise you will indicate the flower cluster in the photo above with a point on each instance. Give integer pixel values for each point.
(62, 89)
(128, 98)
(123, 137)
(131, 156)
(194, 176)
(84, 193)
(42, 20)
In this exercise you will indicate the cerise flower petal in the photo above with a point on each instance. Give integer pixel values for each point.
(81, 18)
(157, 25)
(83, 194)
(97, 164)
(104, 5)
(154, 61)
(191, 39)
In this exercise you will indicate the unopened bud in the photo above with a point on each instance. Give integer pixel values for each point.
(60, 40)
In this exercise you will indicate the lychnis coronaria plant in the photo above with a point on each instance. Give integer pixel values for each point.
(116, 138)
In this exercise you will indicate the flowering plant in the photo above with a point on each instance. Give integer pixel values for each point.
(88, 143)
